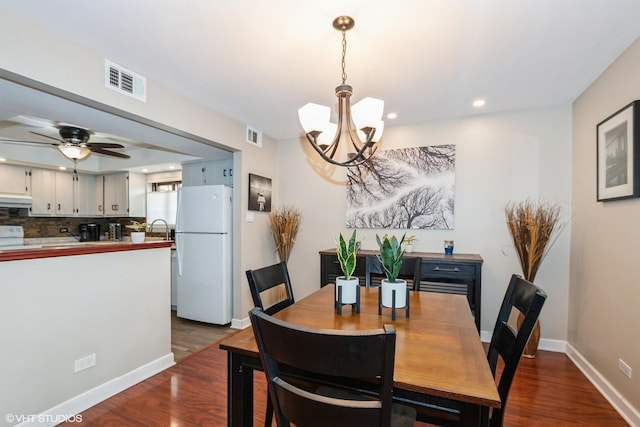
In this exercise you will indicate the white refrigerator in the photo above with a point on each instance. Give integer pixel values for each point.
(203, 248)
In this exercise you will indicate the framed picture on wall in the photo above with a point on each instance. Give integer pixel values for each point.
(618, 154)
(259, 193)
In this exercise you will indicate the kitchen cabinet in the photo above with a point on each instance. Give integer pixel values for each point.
(62, 194)
(208, 173)
(124, 194)
(84, 197)
(14, 180)
(452, 274)
(42, 192)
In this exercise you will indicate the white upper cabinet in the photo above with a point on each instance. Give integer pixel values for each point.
(124, 194)
(42, 192)
(14, 180)
(208, 173)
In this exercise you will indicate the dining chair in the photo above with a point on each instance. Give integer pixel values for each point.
(410, 270)
(507, 343)
(267, 280)
(263, 284)
(323, 360)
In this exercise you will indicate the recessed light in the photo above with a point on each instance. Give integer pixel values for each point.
(145, 170)
(62, 168)
(172, 167)
(2, 159)
(478, 103)
(392, 116)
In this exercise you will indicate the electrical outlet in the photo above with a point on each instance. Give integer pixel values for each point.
(84, 363)
(626, 369)
(64, 230)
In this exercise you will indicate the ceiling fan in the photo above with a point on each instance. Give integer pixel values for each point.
(72, 141)
(74, 144)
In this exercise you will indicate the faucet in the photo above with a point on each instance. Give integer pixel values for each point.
(166, 227)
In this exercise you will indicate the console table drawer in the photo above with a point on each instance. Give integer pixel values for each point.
(448, 270)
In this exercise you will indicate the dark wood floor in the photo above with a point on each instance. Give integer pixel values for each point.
(188, 336)
(547, 391)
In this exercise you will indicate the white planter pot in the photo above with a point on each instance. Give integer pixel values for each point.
(400, 286)
(349, 289)
(408, 248)
(137, 236)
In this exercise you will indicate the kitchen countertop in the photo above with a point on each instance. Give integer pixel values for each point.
(66, 248)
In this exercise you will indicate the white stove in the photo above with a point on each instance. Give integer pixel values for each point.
(12, 237)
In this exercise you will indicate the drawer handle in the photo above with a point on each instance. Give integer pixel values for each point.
(454, 269)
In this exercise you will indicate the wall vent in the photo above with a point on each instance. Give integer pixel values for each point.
(254, 137)
(125, 81)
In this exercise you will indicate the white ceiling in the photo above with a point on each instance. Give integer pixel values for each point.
(259, 61)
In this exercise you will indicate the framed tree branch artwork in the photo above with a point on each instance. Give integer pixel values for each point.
(409, 188)
(618, 154)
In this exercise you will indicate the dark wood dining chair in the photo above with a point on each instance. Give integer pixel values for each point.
(267, 280)
(326, 359)
(410, 271)
(509, 344)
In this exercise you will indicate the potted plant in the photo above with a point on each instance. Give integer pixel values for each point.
(408, 243)
(390, 256)
(347, 252)
(138, 233)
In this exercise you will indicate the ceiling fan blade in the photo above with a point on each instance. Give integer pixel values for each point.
(46, 136)
(109, 153)
(104, 145)
(29, 142)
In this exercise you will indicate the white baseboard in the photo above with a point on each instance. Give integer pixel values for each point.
(557, 346)
(84, 401)
(619, 403)
(240, 323)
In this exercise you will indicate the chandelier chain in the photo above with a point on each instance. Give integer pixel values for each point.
(344, 54)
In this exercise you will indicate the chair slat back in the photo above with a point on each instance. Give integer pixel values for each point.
(267, 278)
(329, 355)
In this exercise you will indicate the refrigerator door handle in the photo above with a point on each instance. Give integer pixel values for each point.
(179, 252)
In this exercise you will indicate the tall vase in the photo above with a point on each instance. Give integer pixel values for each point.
(531, 348)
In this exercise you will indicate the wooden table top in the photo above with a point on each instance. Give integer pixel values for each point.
(438, 350)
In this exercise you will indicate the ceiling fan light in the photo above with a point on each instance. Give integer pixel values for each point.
(367, 112)
(314, 117)
(74, 152)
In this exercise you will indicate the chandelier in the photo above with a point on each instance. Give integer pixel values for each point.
(363, 120)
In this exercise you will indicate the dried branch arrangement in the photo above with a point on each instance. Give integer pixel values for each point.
(532, 227)
(285, 223)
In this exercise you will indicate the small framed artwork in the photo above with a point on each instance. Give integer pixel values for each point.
(618, 165)
(259, 193)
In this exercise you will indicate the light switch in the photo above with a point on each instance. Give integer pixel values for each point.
(250, 216)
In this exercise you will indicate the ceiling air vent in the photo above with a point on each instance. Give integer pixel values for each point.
(125, 81)
(254, 137)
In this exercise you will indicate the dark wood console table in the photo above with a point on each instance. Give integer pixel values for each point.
(451, 274)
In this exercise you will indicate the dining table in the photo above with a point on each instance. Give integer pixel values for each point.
(440, 363)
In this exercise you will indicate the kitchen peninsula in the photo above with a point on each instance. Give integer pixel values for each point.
(81, 322)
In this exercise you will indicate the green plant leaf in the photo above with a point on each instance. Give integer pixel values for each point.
(347, 254)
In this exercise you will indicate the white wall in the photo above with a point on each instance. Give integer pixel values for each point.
(56, 310)
(499, 157)
(605, 241)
